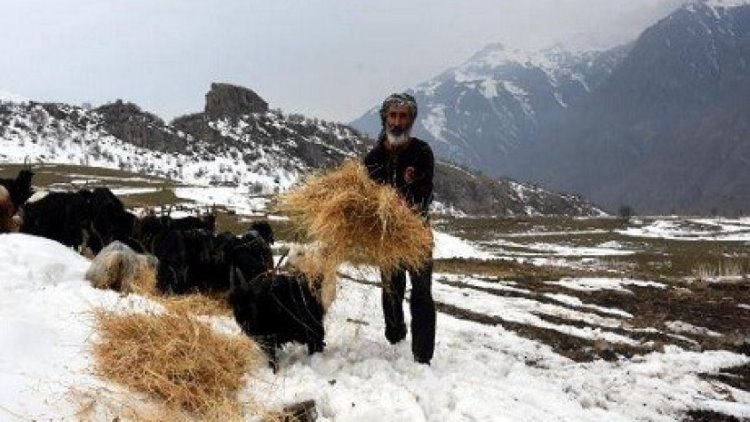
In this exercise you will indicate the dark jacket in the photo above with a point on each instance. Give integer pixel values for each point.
(388, 167)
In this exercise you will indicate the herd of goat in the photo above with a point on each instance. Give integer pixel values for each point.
(271, 306)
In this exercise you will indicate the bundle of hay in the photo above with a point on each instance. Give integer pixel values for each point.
(119, 268)
(357, 220)
(176, 359)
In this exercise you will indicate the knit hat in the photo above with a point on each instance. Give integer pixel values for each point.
(398, 99)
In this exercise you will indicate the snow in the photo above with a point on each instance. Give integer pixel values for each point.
(687, 328)
(701, 229)
(45, 327)
(604, 249)
(483, 373)
(80, 138)
(435, 122)
(574, 301)
(521, 96)
(448, 246)
(528, 311)
(727, 4)
(132, 191)
(617, 284)
(238, 199)
(480, 371)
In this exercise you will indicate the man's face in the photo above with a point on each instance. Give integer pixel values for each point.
(398, 120)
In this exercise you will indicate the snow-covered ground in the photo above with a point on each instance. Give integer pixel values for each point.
(698, 229)
(480, 371)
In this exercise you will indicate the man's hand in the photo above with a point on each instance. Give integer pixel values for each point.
(410, 174)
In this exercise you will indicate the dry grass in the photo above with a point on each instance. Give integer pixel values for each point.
(48, 174)
(196, 304)
(357, 220)
(724, 268)
(177, 360)
(503, 269)
(165, 196)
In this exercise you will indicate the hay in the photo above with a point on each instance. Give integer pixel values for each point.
(196, 304)
(118, 267)
(357, 220)
(176, 359)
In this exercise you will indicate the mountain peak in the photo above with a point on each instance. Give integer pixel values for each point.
(227, 100)
(496, 54)
(726, 4)
(716, 7)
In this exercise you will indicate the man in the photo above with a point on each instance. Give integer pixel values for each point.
(407, 164)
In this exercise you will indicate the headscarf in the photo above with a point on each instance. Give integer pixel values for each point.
(397, 99)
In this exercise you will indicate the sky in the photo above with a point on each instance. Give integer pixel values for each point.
(332, 59)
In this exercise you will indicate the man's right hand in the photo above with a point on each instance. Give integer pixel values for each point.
(410, 174)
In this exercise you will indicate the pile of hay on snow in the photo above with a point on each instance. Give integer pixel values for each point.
(357, 220)
(119, 268)
(196, 304)
(174, 358)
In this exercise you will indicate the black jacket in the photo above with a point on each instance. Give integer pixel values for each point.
(388, 167)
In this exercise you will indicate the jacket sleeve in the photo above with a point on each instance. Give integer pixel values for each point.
(375, 166)
(421, 188)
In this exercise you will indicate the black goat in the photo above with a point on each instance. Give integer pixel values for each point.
(60, 216)
(198, 260)
(85, 218)
(278, 308)
(110, 221)
(263, 228)
(151, 226)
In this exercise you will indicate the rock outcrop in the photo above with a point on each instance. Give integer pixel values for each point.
(225, 100)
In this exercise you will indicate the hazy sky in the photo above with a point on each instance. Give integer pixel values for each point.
(327, 58)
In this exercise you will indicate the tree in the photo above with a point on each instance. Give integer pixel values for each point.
(625, 212)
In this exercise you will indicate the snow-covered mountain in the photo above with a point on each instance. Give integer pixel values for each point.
(237, 141)
(660, 124)
(484, 110)
(59, 133)
(669, 130)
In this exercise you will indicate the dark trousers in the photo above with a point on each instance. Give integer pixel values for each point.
(422, 310)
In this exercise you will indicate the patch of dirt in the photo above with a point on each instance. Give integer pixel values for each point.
(708, 416)
(508, 270)
(738, 377)
(575, 348)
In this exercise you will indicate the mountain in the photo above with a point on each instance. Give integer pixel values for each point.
(669, 129)
(237, 141)
(485, 110)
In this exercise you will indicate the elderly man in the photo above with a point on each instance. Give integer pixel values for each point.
(407, 164)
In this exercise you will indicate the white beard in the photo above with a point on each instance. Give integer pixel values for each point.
(398, 140)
